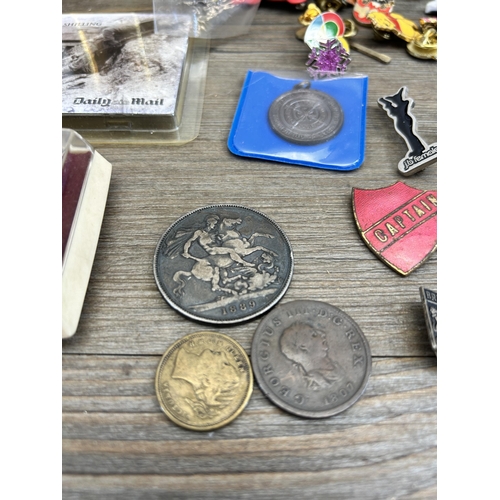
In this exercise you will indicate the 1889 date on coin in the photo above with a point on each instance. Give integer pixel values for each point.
(223, 264)
(310, 358)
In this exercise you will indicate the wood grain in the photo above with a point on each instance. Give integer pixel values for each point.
(117, 444)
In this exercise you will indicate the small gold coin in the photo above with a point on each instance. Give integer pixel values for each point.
(204, 381)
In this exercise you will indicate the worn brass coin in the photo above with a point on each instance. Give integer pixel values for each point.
(310, 358)
(305, 116)
(223, 264)
(204, 381)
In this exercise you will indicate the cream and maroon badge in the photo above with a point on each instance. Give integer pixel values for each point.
(398, 223)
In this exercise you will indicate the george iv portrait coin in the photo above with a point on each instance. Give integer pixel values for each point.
(305, 116)
(204, 381)
(310, 358)
(223, 264)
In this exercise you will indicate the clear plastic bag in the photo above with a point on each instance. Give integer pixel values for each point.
(205, 19)
(291, 119)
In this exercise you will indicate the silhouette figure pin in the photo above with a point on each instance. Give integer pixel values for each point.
(420, 155)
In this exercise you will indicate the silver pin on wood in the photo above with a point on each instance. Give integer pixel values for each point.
(429, 302)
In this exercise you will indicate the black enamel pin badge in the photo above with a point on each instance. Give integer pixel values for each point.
(420, 155)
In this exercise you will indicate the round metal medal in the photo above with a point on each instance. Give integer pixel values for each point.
(310, 358)
(306, 116)
(223, 264)
(204, 381)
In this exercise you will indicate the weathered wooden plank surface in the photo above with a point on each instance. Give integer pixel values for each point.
(116, 441)
(112, 425)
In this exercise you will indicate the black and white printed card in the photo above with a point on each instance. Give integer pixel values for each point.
(118, 74)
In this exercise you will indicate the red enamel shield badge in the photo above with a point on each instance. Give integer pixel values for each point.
(398, 223)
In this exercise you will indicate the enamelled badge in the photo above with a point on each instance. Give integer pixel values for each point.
(398, 223)
(429, 302)
(420, 155)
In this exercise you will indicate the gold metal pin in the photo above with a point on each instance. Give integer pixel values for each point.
(371, 53)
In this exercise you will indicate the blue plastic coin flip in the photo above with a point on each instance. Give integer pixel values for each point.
(316, 123)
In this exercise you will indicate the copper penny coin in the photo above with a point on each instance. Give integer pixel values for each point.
(310, 358)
